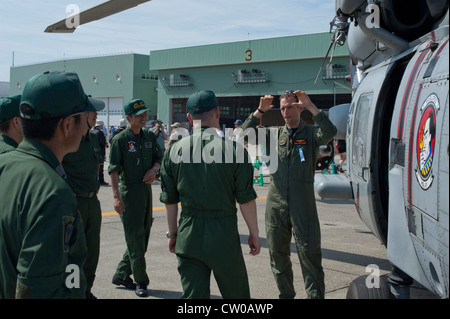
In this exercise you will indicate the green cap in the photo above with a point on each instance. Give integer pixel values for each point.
(9, 108)
(53, 94)
(202, 101)
(135, 107)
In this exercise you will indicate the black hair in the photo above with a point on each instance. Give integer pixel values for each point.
(43, 129)
(4, 127)
(205, 115)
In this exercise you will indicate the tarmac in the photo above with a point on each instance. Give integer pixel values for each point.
(348, 248)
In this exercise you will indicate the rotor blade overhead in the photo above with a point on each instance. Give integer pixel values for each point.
(95, 13)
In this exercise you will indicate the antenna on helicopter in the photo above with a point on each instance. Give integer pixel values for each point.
(340, 26)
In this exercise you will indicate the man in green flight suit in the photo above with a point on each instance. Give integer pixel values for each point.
(136, 157)
(42, 244)
(208, 186)
(81, 168)
(10, 125)
(291, 205)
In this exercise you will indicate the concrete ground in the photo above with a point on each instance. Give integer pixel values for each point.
(348, 247)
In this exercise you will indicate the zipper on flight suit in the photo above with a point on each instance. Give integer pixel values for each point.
(139, 137)
(289, 148)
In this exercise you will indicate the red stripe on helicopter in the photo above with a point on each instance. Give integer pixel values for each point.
(407, 93)
(411, 144)
(433, 36)
(441, 48)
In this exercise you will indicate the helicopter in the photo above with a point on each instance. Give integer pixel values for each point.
(396, 130)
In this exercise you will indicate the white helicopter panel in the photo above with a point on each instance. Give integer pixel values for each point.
(359, 155)
(418, 218)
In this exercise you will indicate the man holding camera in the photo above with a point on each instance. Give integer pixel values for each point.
(161, 135)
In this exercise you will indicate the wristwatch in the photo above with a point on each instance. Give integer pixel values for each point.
(157, 171)
(169, 235)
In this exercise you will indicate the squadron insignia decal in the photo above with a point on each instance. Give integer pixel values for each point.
(131, 146)
(425, 145)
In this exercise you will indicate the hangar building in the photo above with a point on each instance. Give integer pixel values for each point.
(238, 72)
(241, 72)
(115, 79)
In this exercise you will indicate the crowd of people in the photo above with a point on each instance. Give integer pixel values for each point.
(51, 167)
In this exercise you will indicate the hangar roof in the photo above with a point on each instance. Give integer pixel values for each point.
(298, 47)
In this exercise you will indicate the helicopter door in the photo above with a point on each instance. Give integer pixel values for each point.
(361, 127)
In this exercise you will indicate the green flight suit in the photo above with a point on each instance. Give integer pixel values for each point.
(81, 169)
(208, 237)
(133, 156)
(7, 144)
(41, 231)
(291, 206)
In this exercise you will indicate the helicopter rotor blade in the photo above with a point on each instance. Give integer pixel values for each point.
(95, 13)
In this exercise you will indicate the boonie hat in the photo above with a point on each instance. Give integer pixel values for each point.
(176, 125)
(99, 123)
(52, 94)
(201, 102)
(135, 107)
(9, 108)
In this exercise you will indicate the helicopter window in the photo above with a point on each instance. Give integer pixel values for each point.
(360, 130)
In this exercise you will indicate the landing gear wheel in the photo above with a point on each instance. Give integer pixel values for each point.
(360, 290)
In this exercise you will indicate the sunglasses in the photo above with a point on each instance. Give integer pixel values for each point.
(72, 115)
(287, 94)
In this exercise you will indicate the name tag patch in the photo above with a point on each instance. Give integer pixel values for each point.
(300, 142)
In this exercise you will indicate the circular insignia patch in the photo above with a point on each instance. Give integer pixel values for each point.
(282, 140)
(425, 145)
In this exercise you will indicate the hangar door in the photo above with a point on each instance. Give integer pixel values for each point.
(113, 111)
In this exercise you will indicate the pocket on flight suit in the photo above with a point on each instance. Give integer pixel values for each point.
(186, 239)
(304, 163)
(278, 228)
(306, 226)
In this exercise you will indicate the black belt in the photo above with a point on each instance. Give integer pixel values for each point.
(85, 195)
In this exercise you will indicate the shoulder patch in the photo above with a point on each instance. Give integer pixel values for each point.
(69, 226)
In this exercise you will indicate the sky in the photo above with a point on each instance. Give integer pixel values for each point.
(155, 25)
